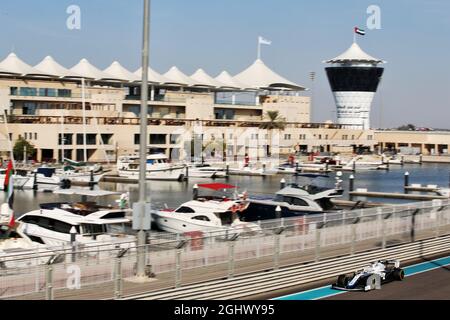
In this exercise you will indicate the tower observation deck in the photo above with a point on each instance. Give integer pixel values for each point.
(354, 77)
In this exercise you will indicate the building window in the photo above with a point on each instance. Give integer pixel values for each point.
(157, 139)
(28, 92)
(106, 138)
(91, 139)
(174, 138)
(65, 93)
(25, 135)
(353, 137)
(302, 137)
(35, 136)
(226, 114)
(47, 92)
(13, 91)
(287, 137)
(370, 137)
(254, 136)
(345, 137)
(68, 139)
(137, 138)
(29, 108)
(320, 137)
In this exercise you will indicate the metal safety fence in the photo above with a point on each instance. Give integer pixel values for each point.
(107, 270)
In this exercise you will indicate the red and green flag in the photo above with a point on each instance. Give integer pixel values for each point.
(9, 184)
(360, 31)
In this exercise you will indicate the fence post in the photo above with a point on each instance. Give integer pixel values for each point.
(230, 259)
(49, 282)
(317, 252)
(178, 268)
(438, 222)
(276, 258)
(258, 242)
(352, 247)
(118, 278)
(413, 225)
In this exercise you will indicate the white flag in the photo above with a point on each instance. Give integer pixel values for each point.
(264, 41)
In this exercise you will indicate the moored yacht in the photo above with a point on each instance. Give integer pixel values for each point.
(158, 168)
(92, 224)
(213, 214)
(293, 200)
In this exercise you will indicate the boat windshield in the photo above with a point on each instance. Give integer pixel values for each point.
(313, 183)
(93, 229)
(227, 218)
(107, 228)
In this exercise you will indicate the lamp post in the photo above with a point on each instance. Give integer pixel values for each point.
(312, 76)
(140, 270)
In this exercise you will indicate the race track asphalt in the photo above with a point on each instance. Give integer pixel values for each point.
(430, 285)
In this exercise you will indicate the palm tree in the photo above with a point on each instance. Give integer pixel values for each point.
(274, 122)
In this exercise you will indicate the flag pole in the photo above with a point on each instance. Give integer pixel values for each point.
(9, 140)
(259, 48)
(354, 36)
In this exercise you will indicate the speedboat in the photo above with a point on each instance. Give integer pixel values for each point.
(158, 168)
(292, 201)
(20, 181)
(354, 164)
(206, 171)
(252, 171)
(82, 175)
(214, 214)
(92, 224)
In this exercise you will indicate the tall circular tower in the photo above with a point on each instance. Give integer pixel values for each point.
(354, 77)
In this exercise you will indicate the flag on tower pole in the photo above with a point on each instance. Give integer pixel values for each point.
(360, 31)
(264, 41)
(261, 41)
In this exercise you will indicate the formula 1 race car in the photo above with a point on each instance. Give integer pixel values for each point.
(371, 277)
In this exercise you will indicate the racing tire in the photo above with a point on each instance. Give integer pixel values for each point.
(342, 281)
(399, 274)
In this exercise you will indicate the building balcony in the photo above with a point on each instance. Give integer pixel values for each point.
(159, 100)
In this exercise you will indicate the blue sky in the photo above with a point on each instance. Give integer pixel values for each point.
(221, 35)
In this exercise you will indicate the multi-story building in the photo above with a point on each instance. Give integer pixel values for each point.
(67, 111)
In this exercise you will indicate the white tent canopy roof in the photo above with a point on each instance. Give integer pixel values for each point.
(259, 76)
(50, 66)
(153, 76)
(206, 80)
(230, 82)
(355, 54)
(177, 77)
(118, 72)
(12, 64)
(88, 71)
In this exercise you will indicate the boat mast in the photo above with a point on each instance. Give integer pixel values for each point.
(62, 135)
(83, 102)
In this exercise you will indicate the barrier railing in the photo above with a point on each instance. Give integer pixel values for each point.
(174, 259)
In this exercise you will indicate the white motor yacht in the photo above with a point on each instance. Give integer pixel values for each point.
(158, 168)
(93, 224)
(16, 248)
(206, 171)
(20, 181)
(213, 214)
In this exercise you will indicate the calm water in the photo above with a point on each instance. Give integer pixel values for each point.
(174, 193)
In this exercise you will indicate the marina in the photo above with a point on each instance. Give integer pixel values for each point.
(171, 165)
